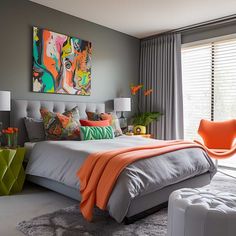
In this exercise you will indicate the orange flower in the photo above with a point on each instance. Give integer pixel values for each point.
(15, 130)
(10, 130)
(148, 92)
(7, 131)
(135, 89)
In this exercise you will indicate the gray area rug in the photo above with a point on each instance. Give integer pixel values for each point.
(69, 221)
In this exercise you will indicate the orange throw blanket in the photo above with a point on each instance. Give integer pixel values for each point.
(100, 171)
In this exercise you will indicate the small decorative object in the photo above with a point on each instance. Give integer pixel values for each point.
(130, 128)
(142, 119)
(11, 135)
(139, 129)
(61, 64)
(5, 105)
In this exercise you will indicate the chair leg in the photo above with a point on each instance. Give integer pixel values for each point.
(216, 162)
(226, 174)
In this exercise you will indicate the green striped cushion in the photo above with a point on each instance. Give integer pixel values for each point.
(96, 132)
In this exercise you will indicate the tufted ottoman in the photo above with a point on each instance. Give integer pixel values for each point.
(201, 212)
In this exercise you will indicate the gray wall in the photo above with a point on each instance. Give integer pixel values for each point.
(115, 59)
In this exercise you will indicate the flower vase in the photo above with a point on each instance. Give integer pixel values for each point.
(9, 138)
(15, 140)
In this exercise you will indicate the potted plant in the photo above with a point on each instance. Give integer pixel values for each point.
(142, 119)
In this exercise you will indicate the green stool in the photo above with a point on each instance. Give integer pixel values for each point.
(12, 174)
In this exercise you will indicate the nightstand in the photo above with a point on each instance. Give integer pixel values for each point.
(139, 135)
(12, 174)
(144, 135)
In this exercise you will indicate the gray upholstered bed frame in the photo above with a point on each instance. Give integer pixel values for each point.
(140, 206)
(23, 108)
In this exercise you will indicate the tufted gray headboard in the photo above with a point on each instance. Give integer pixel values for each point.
(23, 108)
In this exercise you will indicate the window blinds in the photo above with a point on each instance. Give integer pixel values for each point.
(196, 69)
(209, 84)
(225, 80)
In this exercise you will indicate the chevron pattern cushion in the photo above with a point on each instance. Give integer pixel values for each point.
(112, 117)
(12, 175)
(96, 132)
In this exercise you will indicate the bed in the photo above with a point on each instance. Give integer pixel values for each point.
(51, 164)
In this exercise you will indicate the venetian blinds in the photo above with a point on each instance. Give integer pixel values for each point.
(209, 83)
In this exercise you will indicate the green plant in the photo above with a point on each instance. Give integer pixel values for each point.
(145, 118)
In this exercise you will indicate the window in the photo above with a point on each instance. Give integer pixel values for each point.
(209, 86)
(196, 69)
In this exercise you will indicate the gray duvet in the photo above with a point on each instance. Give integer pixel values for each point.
(60, 160)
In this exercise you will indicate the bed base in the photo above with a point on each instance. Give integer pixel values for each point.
(141, 206)
(148, 204)
(141, 215)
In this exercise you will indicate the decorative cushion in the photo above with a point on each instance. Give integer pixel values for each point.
(93, 115)
(94, 123)
(61, 126)
(107, 116)
(35, 129)
(95, 132)
(113, 120)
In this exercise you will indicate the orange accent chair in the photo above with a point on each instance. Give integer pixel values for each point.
(218, 138)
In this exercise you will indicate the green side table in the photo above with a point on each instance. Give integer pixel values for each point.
(12, 174)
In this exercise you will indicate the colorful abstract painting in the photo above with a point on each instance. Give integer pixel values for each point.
(61, 64)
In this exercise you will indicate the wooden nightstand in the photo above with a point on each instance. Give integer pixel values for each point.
(144, 135)
(140, 135)
(12, 174)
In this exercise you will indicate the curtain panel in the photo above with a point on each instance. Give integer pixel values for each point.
(160, 69)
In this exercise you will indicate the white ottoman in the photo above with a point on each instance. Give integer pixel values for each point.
(200, 212)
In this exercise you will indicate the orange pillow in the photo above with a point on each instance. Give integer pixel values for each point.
(106, 116)
(100, 123)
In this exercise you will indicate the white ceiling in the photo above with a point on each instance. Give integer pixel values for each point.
(141, 18)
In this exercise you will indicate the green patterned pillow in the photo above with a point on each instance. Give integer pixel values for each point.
(96, 132)
(112, 117)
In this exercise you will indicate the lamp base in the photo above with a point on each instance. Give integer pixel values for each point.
(122, 115)
(123, 123)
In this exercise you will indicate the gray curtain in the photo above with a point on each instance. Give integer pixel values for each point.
(160, 69)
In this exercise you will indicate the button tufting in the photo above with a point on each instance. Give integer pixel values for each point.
(201, 212)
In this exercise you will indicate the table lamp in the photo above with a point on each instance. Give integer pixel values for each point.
(122, 104)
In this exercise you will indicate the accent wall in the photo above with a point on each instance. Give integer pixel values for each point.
(115, 56)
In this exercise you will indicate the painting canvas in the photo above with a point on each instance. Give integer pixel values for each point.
(61, 64)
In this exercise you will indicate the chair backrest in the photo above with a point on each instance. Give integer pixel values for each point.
(218, 135)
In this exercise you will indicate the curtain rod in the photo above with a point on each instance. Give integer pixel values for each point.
(205, 24)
